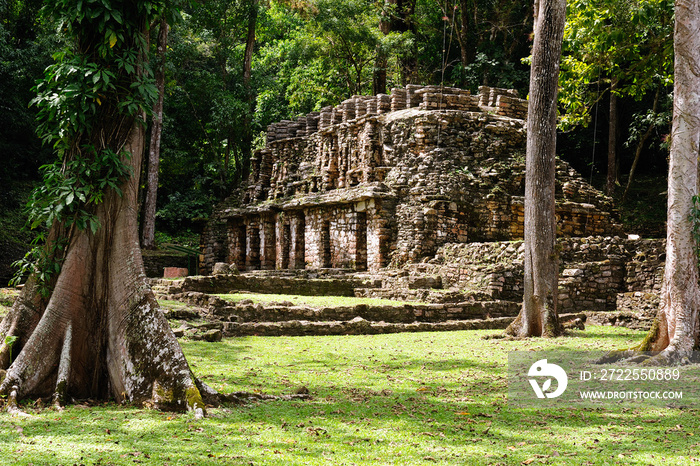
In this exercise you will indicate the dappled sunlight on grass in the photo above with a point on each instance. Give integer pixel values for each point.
(420, 398)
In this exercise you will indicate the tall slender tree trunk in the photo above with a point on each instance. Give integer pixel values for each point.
(538, 316)
(402, 20)
(246, 146)
(148, 228)
(640, 146)
(467, 36)
(381, 62)
(612, 142)
(676, 329)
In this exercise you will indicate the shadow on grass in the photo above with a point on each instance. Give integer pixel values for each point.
(410, 399)
(595, 332)
(391, 427)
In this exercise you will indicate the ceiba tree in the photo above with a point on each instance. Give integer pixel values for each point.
(538, 316)
(86, 323)
(677, 327)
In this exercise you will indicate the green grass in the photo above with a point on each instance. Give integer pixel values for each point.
(423, 398)
(312, 301)
(7, 299)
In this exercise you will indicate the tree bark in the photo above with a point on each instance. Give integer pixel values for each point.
(640, 146)
(250, 42)
(247, 142)
(381, 61)
(148, 229)
(538, 316)
(402, 20)
(676, 330)
(101, 333)
(467, 37)
(612, 142)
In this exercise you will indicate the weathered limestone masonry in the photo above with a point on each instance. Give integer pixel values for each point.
(389, 179)
(596, 274)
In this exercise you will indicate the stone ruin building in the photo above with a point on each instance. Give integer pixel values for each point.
(389, 179)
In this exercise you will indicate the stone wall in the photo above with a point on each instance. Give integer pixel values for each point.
(594, 271)
(329, 286)
(390, 179)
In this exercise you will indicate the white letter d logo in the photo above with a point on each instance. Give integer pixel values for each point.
(542, 369)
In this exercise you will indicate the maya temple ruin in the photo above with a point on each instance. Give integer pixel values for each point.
(415, 197)
(387, 180)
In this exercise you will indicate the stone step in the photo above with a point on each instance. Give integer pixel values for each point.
(271, 285)
(422, 295)
(164, 281)
(247, 311)
(356, 326)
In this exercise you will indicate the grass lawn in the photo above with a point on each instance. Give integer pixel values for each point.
(420, 398)
(7, 298)
(312, 301)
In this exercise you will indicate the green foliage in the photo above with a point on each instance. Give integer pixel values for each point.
(25, 51)
(644, 210)
(625, 41)
(185, 238)
(87, 101)
(10, 342)
(484, 42)
(348, 33)
(43, 261)
(182, 208)
(493, 68)
(647, 118)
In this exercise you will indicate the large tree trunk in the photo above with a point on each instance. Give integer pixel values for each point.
(148, 228)
(538, 316)
(100, 334)
(677, 328)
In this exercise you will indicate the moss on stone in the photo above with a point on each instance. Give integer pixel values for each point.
(194, 398)
(651, 337)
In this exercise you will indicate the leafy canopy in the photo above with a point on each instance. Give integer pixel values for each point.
(629, 42)
(99, 85)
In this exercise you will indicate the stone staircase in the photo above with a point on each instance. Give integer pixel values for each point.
(609, 280)
(284, 318)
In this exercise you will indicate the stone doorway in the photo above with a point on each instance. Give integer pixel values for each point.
(361, 241)
(252, 249)
(285, 243)
(326, 245)
(239, 251)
